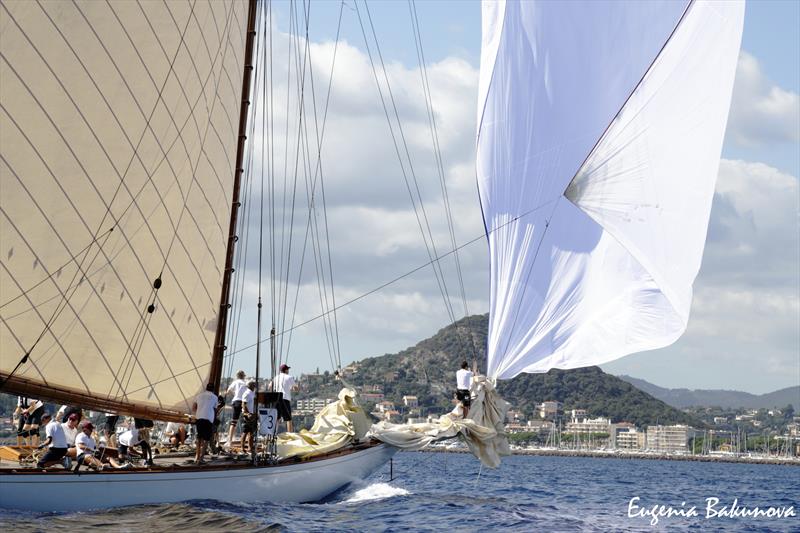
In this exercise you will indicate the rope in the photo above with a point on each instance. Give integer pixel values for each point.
(481, 237)
(431, 255)
(412, 7)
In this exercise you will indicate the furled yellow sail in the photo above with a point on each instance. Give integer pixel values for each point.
(117, 156)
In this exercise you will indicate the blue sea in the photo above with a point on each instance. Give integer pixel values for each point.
(449, 491)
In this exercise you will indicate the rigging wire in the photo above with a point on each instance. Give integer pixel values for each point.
(394, 280)
(315, 229)
(311, 194)
(318, 170)
(313, 210)
(479, 238)
(431, 255)
(412, 7)
(240, 269)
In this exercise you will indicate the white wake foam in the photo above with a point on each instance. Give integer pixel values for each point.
(376, 491)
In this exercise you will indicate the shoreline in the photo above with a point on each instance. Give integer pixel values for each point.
(640, 455)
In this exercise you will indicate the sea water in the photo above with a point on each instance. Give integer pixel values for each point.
(449, 491)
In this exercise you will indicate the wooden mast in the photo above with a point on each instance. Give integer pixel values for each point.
(218, 354)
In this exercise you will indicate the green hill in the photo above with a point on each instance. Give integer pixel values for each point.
(427, 371)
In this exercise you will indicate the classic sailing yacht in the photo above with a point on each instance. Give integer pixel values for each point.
(123, 148)
(600, 127)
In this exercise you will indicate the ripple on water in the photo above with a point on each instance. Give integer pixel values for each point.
(445, 491)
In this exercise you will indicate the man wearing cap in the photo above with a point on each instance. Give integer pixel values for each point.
(285, 383)
(238, 387)
(203, 408)
(57, 442)
(86, 446)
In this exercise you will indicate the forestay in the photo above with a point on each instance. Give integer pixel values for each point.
(600, 131)
(118, 145)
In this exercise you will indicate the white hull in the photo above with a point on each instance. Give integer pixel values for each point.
(304, 482)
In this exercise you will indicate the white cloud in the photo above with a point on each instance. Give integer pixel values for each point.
(744, 331)
(374, 232)
(761, 112)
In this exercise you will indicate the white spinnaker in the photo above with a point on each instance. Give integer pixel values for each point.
(123, 116)
(602, 266)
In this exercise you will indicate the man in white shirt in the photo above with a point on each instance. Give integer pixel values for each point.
(57, 442)
(86, 447)
(71, 432)
(285, 383)
(135, 437)
(463, 386)
(237, 388)
(203, 408)
(174, 434)
(250, 420)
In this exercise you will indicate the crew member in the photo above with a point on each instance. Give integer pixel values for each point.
(22, 413)
(237, 387)
(203, 409)
(175, 433)
(135, 437)
(250, 419)
(285, 383)
(86, 447)
(110, 428)
(71, 431)
(463, 385)
(31, 428)
(57, 442)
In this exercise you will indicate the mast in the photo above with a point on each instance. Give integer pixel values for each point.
(215, 375)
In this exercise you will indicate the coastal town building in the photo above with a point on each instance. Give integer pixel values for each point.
(514, 417)
(720, 419)
(669, 439)
(410, 401)
(371, 398)
(578, 415)
(351, 369)
(589, 426)
(625, 436)
(385, 406)
(313, 405)
(542, 426)
(549, 409)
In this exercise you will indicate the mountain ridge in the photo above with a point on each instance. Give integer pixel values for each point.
(681, 398)
(427, 370)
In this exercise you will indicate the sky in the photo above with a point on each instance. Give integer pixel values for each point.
(744, 330)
